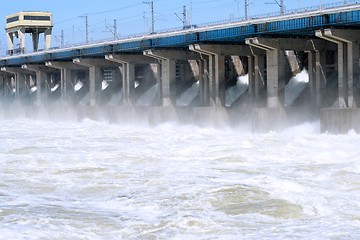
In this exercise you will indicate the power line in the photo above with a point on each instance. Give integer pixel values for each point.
(152, 15)
(87, 27)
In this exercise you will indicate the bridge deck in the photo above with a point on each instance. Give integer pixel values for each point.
(301, 24)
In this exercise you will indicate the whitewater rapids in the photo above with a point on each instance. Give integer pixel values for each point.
(93, 180)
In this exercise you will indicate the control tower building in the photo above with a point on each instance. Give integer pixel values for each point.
(28, 22)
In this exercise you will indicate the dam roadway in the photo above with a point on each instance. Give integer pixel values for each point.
(143, 77)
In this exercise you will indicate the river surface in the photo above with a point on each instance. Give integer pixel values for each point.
(94, 180)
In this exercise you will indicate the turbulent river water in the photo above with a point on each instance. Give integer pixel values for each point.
(94, 180)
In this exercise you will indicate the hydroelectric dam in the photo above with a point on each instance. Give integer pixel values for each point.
(230, 73)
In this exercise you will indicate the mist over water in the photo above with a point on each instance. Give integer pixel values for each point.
(94, 180)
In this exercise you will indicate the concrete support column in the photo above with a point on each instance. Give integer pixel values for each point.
(35, 38)
(353, 74)
(168, 75)
(168, 79)
(41, 82)
(10, 39)
(312, 76)
(348, 63)
(66, 84)
(21, 91)
(204, 82)
(128, 84)
(216, 73)
(67, 89)
(95, 78)
(251, 74)
(156, 68)
(342, 75)
(320, 58)
(259, 67)
(276, 70)
(47, 35)
(219, 80)
(347, 116)
(6, 85)
(127, 63)
(275, 61)
(21, 35)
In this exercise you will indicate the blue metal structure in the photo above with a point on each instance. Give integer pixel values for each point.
(300, 24)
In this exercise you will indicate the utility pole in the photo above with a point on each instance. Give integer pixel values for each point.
(144, 16)
(62, 38)
(184, 19)
(246, 9)
(184, 16)
(87, 27)
(152, 15)
(191, 13)
(115, 29)
(105, 30)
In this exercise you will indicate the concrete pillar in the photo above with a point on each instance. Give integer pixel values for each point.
(276, 70)
(21, 91)
(168, 79)
(312, 70)
(256, 73)
(35, 38)
(347, 116)
(348, 62)
(47, 35)
(6, 89)
(168, 72)
(342, 76)
(10, 39)
(95, 77)
(156, 69)
(320, 58)
(21, 35)
(204, 82)
(67, 88)
(275, 61)
(353, 74)
(41, 83)
(128, 63)
(259, 68)
(167, 89)
(129, 84)
(251, 74)
(216, 73)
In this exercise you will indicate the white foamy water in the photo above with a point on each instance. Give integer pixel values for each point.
(91, 180)
(295, 87)
(234, 92)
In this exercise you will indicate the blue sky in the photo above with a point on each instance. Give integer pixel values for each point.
(129, 15)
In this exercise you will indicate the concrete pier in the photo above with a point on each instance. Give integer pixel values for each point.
(167, 86)
(348, 81)
(128, 63)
